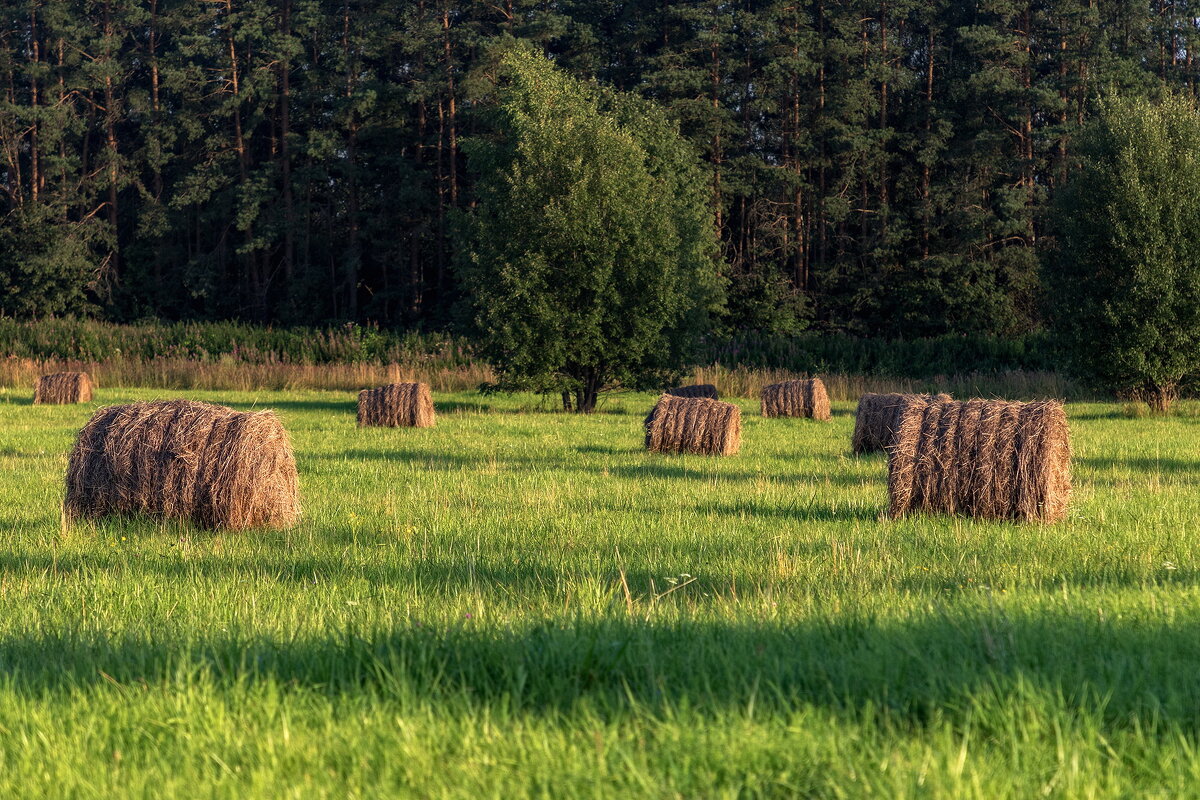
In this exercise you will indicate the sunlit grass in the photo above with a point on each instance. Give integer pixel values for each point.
(525, 603)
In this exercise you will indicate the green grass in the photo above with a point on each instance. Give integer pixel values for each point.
(526, 604)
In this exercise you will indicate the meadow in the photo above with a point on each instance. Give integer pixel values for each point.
(525, 603)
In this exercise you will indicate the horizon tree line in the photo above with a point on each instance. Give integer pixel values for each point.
(878, 167)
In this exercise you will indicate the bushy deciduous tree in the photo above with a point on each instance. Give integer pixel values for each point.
(590, 259)
(1125, 279)
(46, 264)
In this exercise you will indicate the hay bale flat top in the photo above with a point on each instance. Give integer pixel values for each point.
(985, 458)
(398, 405)
(180, 459)
(694, 425)
(877, 417)
(799, 398)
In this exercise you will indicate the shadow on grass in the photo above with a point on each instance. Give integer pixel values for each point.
(597, 450)
(1149, 466)
(463, 407)
(814, 512)
(698, 473)
(1115, 413)
(349, 406)
(943, 665)
(695, 468)
(1112, 471)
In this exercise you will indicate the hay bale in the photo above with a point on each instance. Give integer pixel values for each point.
(694, 425)
(62, 388)
(399, 405)
(877, 416)
(179, 459)
(806, 398)
(983, 458)
(706, 390)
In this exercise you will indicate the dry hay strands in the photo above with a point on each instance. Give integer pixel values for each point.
(694, 425)
(179, 459)
(877, 417)
(706, 390)
(63, 387)
(398, 405)
(804, 398)
(982, 458)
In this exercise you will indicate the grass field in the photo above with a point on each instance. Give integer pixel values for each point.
(520, 603)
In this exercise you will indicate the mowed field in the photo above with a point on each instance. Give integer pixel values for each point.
(523, 603)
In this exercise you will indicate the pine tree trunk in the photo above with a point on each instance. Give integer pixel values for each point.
(285, 155)
(35, 174)
(110, 130)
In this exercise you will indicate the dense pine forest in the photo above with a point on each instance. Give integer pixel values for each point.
(876, 168)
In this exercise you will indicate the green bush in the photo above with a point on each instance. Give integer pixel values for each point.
(207, 341)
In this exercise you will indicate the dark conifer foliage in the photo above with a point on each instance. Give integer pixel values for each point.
(875, 166)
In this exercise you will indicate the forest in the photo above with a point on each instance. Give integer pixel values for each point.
(876, 168)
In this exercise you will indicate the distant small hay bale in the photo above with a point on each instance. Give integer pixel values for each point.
(706, 390)
(63, 387)
(982, 458)
(179, 459)
(805, 398)
(399, 405)
(694, 425)
(877, 416)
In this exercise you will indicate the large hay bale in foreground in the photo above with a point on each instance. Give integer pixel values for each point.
(399, 405)
(983, 458)
(179, 459)
(878, 415)
(694, 425)
(706, 390)
(63, 387)
(805, 398)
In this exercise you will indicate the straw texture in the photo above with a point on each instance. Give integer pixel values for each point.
(877, 417)
(62, 388)
(694, 425)
(804, 398)
(982, 458)
(180, 459)
(399, 405)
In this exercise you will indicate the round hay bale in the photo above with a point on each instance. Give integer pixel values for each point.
(803, 398)
(179, 459)
(694, 425)
(398, 405)
(706, 390)
(62, 388)
(983, 458)
(878, 415)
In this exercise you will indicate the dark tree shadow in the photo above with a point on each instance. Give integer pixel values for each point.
(463, 407)
(1126, 672)
(816, 512)
(1098, 415)
(592, 449)
(1150, 466)
(349, 407)
(659, 469)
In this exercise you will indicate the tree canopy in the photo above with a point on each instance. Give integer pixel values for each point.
(1125, 279)
(875, 168)
(590, 257)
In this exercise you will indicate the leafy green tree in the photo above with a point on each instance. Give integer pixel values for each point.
(47, 265)
(1125, 280)
(590, 256)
